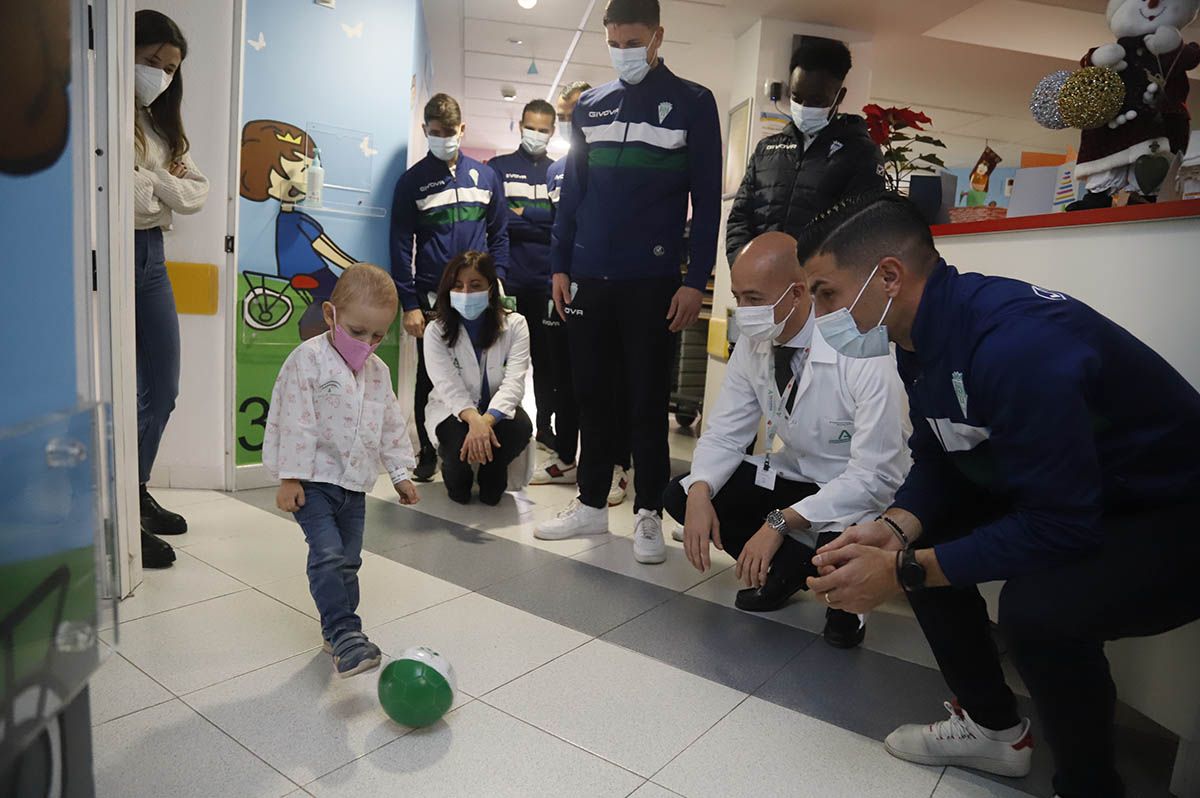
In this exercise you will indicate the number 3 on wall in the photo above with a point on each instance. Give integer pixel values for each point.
(261, 421)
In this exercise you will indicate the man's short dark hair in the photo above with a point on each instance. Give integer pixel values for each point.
(632, 12)
(861, 231)
(538, 107)
(818, 54)
(443, 108)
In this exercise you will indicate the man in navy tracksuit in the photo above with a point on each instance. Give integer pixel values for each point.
(530, 217)
(447, 203)
(561, 468)
(641, 145)
(1051, 449)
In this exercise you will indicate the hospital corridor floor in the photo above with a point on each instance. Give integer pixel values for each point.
(580, 672)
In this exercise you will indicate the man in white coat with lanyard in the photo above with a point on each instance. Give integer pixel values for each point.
(835, 442)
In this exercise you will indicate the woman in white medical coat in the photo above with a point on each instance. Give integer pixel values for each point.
(477, 354)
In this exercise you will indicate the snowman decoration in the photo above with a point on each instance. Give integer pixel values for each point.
(1135, 149)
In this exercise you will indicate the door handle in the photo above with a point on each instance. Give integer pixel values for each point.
(65, 453)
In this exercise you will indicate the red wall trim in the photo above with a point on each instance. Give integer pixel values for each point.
(1130, 213)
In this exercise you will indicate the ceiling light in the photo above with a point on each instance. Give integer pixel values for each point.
(515, 40)
(527, 4)
(508, 93)
(533, 70)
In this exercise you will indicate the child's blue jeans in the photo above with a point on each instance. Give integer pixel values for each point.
(332, 520)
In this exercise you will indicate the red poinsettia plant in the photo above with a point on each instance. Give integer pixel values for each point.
(888, 127)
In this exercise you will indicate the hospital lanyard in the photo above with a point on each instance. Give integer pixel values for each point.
(775, 406)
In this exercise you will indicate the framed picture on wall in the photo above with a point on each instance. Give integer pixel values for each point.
(737, 153)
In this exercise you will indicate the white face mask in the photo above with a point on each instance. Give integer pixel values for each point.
(630, 63)
(809, 120)
(533, 141)
(443, 147)
(841, 331)
(564, 130)
(148, 83)
(757, 322)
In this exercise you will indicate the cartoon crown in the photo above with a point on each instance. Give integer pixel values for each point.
(289, 138)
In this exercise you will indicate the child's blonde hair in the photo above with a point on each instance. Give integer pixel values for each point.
(366, 284)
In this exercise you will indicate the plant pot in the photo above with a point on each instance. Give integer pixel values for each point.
(934, 195)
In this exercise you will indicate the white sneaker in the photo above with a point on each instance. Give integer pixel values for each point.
(575, 519)
(620, 481)
(648, 545)
(961, 742)
(677, 533)
(554, 472)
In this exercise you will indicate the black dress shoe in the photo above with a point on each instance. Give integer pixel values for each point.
(426, 465)
(773, 595)
(156, 553)
(159, 521)
(843, 629)
(547, 439)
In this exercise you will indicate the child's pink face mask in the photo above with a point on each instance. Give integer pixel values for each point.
(352, 350)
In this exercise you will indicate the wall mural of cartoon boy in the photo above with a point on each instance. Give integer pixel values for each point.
(274, 165)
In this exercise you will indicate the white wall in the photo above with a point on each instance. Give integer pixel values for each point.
(1141, 275)
(193, 449)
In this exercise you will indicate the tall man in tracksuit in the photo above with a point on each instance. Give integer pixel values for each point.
(561, 468)
(447, 203)
(822, 156)
(530, 217)
(1051, 449)
(641, 146)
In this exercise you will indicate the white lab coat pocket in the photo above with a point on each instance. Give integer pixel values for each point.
(837, 433)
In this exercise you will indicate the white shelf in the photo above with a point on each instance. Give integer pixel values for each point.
(343, 209)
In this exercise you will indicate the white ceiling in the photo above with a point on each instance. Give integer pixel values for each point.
(969, 64)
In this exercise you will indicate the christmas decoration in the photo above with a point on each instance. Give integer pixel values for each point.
(1091, 98)
(1044, 102)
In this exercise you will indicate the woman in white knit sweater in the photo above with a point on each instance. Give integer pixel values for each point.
(166, 182)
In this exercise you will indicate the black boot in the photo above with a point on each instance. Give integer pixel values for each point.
(843, 629)
(1091, 201)
(426, 464)
(156, 553)
(774, 594)
(158, 521)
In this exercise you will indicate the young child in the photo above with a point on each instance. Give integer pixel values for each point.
(333, 421)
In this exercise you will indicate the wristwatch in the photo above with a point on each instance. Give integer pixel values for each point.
(776, 521)
(909, 572)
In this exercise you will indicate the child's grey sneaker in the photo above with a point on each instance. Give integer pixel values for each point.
(327, 647)
(354, 654)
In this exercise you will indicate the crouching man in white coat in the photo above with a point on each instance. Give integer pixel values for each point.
(836, 442)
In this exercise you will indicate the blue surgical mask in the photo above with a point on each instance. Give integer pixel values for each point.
(534, 142)
(444, 148)
(810, 120)
(470, 305)
(630, 63)
(841, 332)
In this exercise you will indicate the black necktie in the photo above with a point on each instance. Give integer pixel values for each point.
(783, 372)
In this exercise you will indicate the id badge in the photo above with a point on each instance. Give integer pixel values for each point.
(765, 478)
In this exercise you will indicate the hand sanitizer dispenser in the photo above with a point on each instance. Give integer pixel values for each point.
(316, 180)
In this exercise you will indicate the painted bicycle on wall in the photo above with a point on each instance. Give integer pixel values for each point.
(271, 301)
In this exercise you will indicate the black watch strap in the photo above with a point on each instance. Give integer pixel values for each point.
(909, 573)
